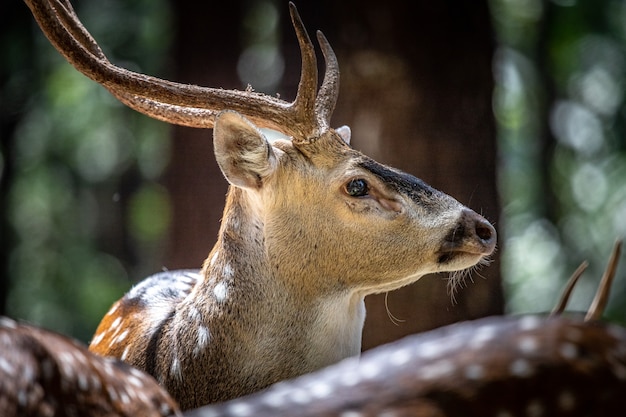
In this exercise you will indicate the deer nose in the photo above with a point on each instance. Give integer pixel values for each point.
(472, 233)
(482, 230)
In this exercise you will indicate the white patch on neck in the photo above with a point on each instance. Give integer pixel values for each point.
(337, 332)
(220, 291)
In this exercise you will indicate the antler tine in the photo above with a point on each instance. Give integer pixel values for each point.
(602, 295)
(569, 287)
(329, 91)
(304, 104)
(182, 104)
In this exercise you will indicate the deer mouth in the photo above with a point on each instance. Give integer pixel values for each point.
(461, 256)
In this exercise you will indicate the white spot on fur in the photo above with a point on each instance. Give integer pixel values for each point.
(113, 395)
(203, 336)
(8, 323)
(529, 323)
(83, 383)
(400, 357)
(125, 353)
(351, 413)
(349, 378)
(370, 370)
(483, 335)
(7, 367)
(98, 338)
(133, 380)
(22, 398)
(300, 396)
(429, 350)
(275, 398)
(240, 409)
(194, 314)
(137, 373)
(95, 382)
(175, 368)
(66, 363)
(221, 290)
(122, 336)
(321, 390)
(165, 409)
(439, 369)
(115, 323)
(475, 372)
(568, 350)
(521, 368)
(528, 344)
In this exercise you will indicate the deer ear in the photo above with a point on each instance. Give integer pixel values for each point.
(344, 133)
(242, 152)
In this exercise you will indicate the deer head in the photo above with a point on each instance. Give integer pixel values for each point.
(310, 227)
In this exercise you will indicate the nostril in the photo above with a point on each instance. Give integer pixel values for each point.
(485, 231)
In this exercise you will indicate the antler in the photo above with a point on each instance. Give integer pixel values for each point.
(306, 118)
(602, 294)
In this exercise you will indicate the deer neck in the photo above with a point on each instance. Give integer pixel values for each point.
(273, 316)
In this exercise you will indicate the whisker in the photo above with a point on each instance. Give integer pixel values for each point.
(393, 318)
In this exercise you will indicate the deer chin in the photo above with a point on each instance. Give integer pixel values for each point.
(459, 259)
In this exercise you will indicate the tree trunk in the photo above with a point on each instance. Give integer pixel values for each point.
(205, 53)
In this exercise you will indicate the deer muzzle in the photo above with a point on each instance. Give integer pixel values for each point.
(472, 235)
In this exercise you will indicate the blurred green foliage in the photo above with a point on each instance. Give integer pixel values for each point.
(81, 165)
(559, 102)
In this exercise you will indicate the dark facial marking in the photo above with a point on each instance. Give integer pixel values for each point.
(401, 182)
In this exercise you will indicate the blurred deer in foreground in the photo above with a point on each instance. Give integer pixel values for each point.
(311, 226)
(46, 374)
(529, 365)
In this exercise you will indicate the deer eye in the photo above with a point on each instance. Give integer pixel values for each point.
(357, 187)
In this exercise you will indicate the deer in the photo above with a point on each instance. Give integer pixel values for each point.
(43, 373)
(531, 365)
(310, 227)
